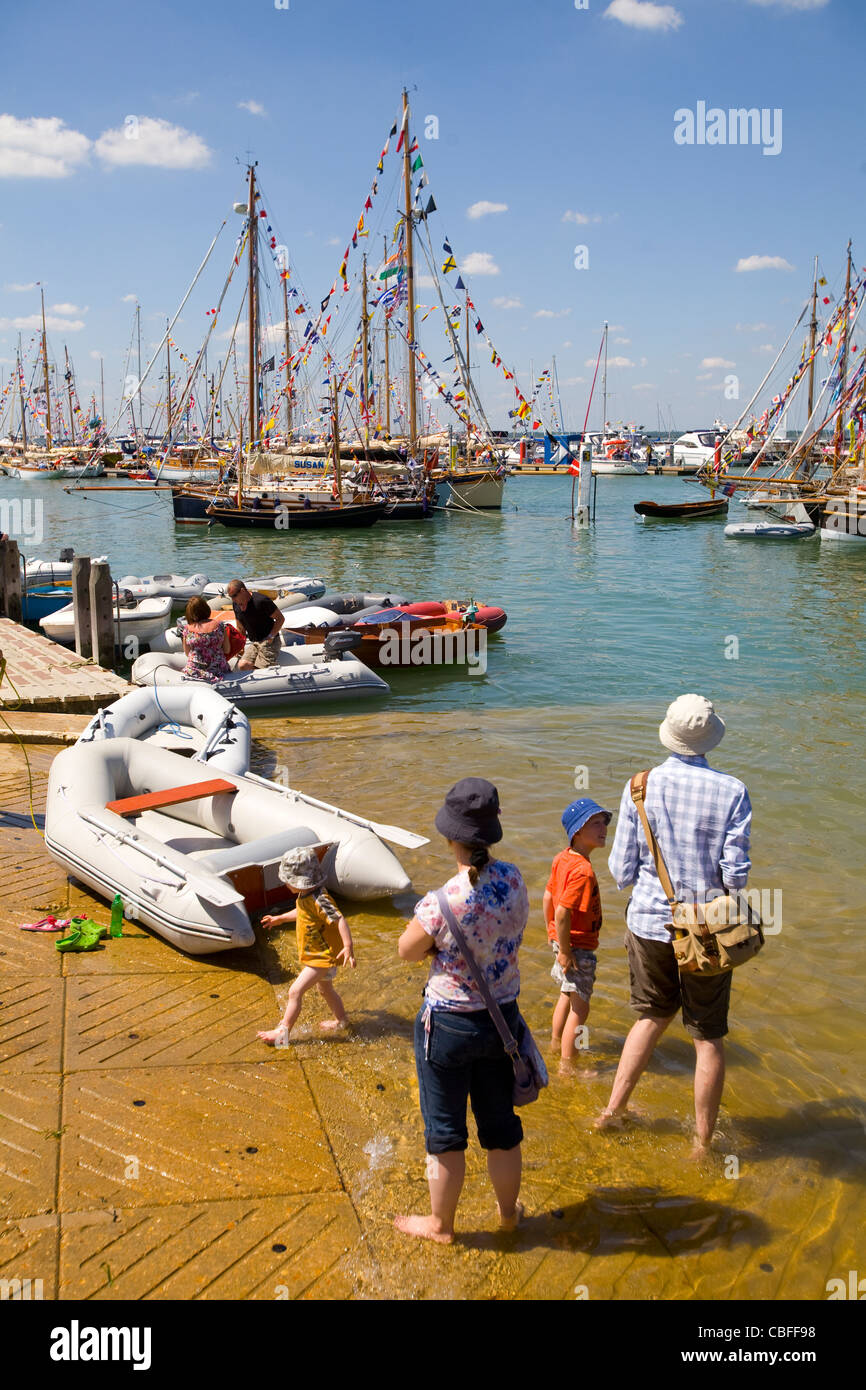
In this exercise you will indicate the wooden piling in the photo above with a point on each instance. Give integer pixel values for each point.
(102, 613)
(10, 581)
(81, 605)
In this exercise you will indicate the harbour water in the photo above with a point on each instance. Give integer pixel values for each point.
(605, 627)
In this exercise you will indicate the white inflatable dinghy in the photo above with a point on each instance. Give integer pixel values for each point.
(185, 849)
(278, 584)
(305, 674)
(769, 530)
(175, 586)
(192, 718)
(142, 618)
(40, 572)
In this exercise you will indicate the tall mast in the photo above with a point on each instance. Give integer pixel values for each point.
(69, 393)
(387, 363)
(288, 356)
(338, 477)
(21, 396)
(604, 389)
(102, 390)
(365, 353)
(167, 386)
(813, 330)
(252, 307)
(410, 274)
(843, 380)
(45, 376)
(468, 373)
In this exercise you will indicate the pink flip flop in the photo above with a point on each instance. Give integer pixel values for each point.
(47, 924)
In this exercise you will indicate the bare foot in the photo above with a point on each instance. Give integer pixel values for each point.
(333, 1023)
(425, 1226)
(610, 1119)
(510, 1223)
(274, 1037)
(701, 1152)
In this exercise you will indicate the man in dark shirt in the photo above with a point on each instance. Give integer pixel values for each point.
(260, 620)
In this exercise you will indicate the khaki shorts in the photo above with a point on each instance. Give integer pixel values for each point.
(578, 978)
(264, 653)
(659, 991)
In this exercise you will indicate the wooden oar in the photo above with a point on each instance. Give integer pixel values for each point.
(397, 836)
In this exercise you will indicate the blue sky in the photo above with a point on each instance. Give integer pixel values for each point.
(564, 116)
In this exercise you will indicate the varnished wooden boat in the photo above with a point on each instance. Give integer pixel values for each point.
(682, 511)
(294, 518)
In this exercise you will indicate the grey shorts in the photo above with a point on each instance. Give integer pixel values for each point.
(264, 653)
(578, 978)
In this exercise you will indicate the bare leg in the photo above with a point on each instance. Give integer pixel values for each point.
(577, 1015)
(561, 1011)
(636, 1052)
(280, 1034)
(505, 1167)
(709, 1083)
(244, 665)
(334, 1003)
(445, 1174)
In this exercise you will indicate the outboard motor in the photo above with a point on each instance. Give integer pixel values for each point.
(67, 555)
(127, 599)
(337, 643)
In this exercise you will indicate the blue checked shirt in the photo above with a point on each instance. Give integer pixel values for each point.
(702, 820)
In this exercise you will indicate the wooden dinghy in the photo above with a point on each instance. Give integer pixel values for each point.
(683, 511)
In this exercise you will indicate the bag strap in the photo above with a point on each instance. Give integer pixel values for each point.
(638, 793)
(508, 1039)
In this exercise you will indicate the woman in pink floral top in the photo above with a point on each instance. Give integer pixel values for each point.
(459, 1054)
(206, 644)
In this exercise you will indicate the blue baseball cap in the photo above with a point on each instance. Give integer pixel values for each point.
(575, 816)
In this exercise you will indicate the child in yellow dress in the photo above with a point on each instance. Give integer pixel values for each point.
(324, 941)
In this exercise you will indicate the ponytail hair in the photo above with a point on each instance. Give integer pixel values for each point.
(479, 860)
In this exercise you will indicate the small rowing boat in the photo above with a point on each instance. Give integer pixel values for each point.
(682, 511)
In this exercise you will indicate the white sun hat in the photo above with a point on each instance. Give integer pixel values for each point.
(691, 726)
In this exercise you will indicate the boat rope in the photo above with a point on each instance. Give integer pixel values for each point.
(171, 725)
(4, 675)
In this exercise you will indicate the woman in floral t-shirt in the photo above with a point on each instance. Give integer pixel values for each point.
(205, 644)
(458, 1052)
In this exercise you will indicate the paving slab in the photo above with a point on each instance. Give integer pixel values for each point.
(29, 1138)
(31, 1022)
(165, 1019)
(273, 1248)
(22, 726)
(47, 676)
(29, 1249)
(136, 1137)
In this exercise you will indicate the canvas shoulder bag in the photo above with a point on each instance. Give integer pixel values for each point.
(530, 1072)
(709, 938)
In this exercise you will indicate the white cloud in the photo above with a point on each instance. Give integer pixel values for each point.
(567, 343)
(502, 302)
(616, 328)
(40, 147)
(255, 108)
(575, 380)
(752, 327)
(624, 342)
(716, 362)
(479, 263)
(582, 219)
(642, 14)
(644, 386)
(703, 376)
(765, 347)
(551, 314)
(762, 263)
(34, 321)
(611, 362)
(153, 142)
(66, 309)
(425, 282)
(129, 299)
(14, 288)
(482, 208)
(333, 241)
(644, 361)
(95, 354)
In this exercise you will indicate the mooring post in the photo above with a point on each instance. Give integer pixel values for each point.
(10, 581)
(102, 613)
(81, 605)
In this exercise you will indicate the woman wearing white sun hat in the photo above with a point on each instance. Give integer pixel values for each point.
(702, 819)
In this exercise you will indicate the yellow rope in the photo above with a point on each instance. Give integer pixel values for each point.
(4, 675)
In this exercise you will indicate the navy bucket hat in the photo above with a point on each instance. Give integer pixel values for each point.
(575, 815)
(470, 814)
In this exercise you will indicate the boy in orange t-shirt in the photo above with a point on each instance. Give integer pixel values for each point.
(572, 912)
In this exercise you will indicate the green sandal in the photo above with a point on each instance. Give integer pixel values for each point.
(85, 936)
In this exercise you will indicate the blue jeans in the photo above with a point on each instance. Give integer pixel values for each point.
(466, 1061)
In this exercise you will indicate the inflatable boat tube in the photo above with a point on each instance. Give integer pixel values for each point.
(304, 675)
(191, 718)
(144, 619)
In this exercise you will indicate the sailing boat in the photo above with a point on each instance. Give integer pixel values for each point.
(612, 453)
